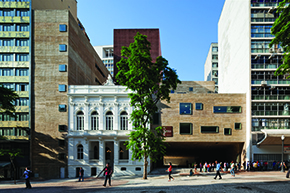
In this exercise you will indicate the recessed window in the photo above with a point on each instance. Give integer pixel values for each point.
(62, 108)
(227, 131)
(61, 128)
(62, 28)
(185, 108)
(185, 128)
(238, 125)
(190, 89)
(61, 156)
(156, 119)
(123, 169)
(62, 47)
(61, 88)
(138, 169)
(227, 109)
(61, 142)
(209, 129)
(62, 68)
(198, 106)
(171, 91)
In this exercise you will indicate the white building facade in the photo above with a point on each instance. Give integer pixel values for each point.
(99, 124)
(211, 65)
(106, 54)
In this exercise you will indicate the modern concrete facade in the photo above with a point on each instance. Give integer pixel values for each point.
(204, 126)
(247, 66)
(106, 54)
(98, 127)
(211, 65)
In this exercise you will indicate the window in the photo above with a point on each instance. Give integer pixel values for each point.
(22, 42)
(227, 109)
(238, 125)
(171, 91)
(215, 65)
(21, 87)
(209, 129)
(80, 152)
(156, 119)
(198, 106)
(96, 151)
(6, 57)
(6, 72)
(109, 120)
(62, 108)
(93, 171)
(80, 120)
(185, 128)
(185, 108)
(6, 42)
(6, 27)
(62, 47)
(137, 169)
(22, 27)
(62, 68)
(95, 121)
(123, 152)
(214, 57)
(61, 128)
(22, 57)
(22, 102)
(62, 28)
(124, 121)
(61, 142)
(123, 169)
(227, 131)
(22, 12)
(61, 156)
(190, 89)
(22, 72)
(61, 88)
(214, 49)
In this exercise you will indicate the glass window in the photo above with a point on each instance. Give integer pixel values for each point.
(62, 47)
(62, 28)
(209, 129)
(22, 42)
(80, 120)
(21, 87)
(215, 65)
(124, 121)
(227, 109)
(22, 72)
(190, 89)
(95, 121)
(185, 108)
(123, 152)
(62, 108)
(61, 87)
(215, 57)
(238, 125)
(227, 131)
(80, 153)
(109, 120)
(61, 128)
(22, 57)
(62, 68)
(185, 128)
(6, 72)
(156, 119)
(22, 102)
(198, 106)
(214, 49)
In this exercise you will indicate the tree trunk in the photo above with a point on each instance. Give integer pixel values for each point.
(14, 173)
(145, 168)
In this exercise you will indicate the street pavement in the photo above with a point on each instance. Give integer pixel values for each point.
(244, 182)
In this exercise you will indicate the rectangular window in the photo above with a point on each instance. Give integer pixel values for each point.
(21, 87)
(22, 72)
(156, 119)
(215, 65)
(61, 87)
(22, 102)
(209, 129)
(61, 142)
(61, 128)
(62, 68)
(214, 57)
(214, 49)
(62, 108)
(62, 47)
(185, 128)
(238, 125)
(22, 27)
(6, 72)
(62, 28)
(198, 106)
(227, 109)
(185, 108)
(22, 42)
(7, 42)
(227, 131)
(22, 57)
(190, 89)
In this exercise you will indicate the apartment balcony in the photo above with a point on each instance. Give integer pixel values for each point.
(14, 49)
(14, 64)
(11, 4)
(14, 19)
(11, 79)
(14, 34)
(14, 123)
(24, 94)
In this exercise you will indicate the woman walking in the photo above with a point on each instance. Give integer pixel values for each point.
(232, 169)
(170, 172)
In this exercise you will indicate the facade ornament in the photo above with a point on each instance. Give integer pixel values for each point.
(109, 81)
(86, 101)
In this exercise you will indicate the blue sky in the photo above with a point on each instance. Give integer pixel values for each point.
(187, 27)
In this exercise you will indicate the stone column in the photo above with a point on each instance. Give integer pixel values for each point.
(101, 116)
(86, 150)
(101, 152)
(116, 151)
(86, 114)
(116, 114)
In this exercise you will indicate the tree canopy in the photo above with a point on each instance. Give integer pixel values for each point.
(7, 99)
(150, 83)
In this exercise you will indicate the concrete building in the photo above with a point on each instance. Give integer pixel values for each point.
(106, 54)
(46, 49)
(247, 66)
(211, 65)
(98, 127)
(202, 126)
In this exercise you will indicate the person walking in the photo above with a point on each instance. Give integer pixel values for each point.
(170, 172)
(218, 168)
(81, 174)
(200, 167)
(244, 165)
(26, 175)
(232, 169)
(248, 166)
(195, 169)
(107, 173)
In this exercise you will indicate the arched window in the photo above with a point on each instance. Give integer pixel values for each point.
(95, 121)
(80, 152)
(124, 121)
(80, 120)
(109, 120)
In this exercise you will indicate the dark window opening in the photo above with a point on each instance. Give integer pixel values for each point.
(185, 108)
(209, 129)
(227, 131)
(185, 128)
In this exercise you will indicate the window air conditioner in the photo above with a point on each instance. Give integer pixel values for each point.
(271, 50)
(273, 87)
(264, 83)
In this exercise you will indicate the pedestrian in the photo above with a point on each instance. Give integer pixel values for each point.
(195, 169)
(274, 165)
(232, 169)
(225, 166)
(190, 172)
(200, 167)
(218, 168)
(170, 172)
(81, 174)
(208, 167)
(107, 173)
(239, 166)
(27, 174)
(248, 166)
(244, 165)
(266, 165)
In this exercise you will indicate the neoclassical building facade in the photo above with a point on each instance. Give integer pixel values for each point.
(99, 124)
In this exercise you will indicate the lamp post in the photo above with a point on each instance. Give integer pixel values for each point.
(282, 163)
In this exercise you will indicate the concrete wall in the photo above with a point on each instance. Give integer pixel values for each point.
(198, 87)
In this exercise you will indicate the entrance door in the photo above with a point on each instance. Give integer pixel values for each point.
(109, 153)
(62, 172)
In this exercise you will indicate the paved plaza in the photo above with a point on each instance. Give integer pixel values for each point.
(244, 182)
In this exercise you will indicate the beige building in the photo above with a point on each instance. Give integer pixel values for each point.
(201, 126)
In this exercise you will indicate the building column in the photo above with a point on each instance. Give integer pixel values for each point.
(101, 116)
(86, 118)
(86, 150)
(116, 151)
(116, 114)
(101, 151)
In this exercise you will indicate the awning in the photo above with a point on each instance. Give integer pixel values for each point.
(273, 137)
(4, 164)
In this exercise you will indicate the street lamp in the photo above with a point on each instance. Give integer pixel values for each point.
(282, 163)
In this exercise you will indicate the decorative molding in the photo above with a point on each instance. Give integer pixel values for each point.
(109, 81)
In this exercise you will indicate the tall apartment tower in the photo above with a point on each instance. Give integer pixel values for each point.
(106, 54)
(45, 49)
(247, 66)
(211, 65)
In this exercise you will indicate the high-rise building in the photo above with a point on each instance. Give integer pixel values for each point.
(106, 54)
(211, 65)
(247, 65)
(44, 49)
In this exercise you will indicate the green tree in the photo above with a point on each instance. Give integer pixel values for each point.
(7, 99)
(12, 153)
(281, 31)
(150, 83)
